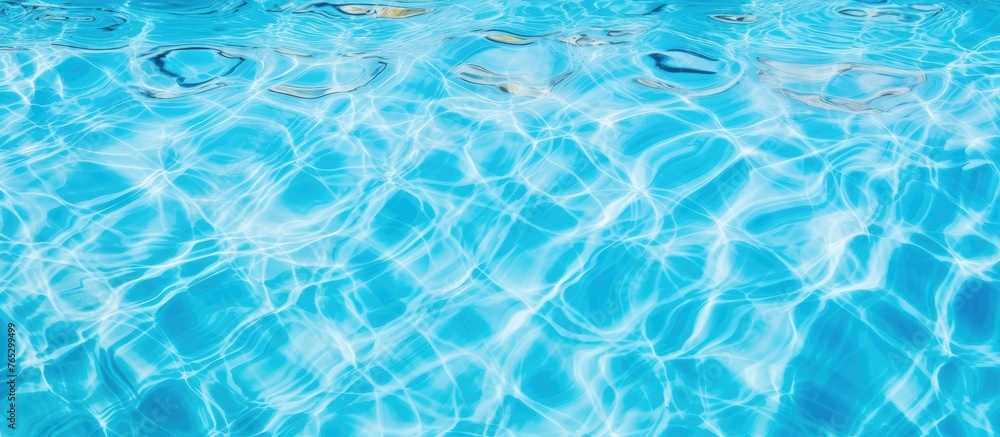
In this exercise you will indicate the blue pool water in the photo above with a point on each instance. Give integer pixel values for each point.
(501, 218)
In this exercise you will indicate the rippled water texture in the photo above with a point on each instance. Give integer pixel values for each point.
(502, 218)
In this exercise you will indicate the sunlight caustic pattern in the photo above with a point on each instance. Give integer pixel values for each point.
(494, 218)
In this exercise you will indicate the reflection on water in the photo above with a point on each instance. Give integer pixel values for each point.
(296, 218)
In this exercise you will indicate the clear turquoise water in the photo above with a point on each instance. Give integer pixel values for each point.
(504, 218)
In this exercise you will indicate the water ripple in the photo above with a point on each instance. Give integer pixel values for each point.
(847, 87)
(342, 76)
(186, 71)
(373, 10)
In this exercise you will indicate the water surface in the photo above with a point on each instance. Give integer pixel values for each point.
(502, 218)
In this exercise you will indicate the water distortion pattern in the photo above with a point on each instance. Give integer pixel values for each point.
(501, 218)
